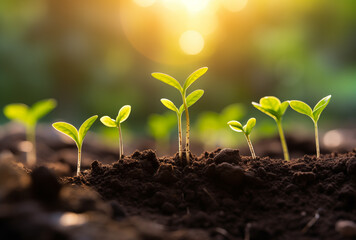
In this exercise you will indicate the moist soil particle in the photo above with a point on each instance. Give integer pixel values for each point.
(228, 196)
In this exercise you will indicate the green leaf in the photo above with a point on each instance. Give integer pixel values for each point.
(41, 108)
(270, 113)
(168, 80)
(249, 125)
(181, 109)
(320, 106)
(17, 111)
(194, 97)
(107, 121)
(283, 107)
(194, 76)
(68, 130)
(301, 107)
(124, 113)
(270, 102)
(236, 126)
(169, 104)
(85, 128)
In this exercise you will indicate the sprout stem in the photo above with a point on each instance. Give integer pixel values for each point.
(180, 136)
(31, 137)
(79, 160)
(187, 130)
(317, 140)
(283, 140)
(250, 146)
(121, 146)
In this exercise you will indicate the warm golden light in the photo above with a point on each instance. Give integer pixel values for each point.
(144, 3)
(194, 6)
(191, 42)
(234, 5)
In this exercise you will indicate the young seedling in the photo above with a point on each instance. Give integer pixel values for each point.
(183, 91)
(190, 100)
(314, 114)
(77, 136)
(123, 114)
(246, 130)
(273, 107)
(29, 117)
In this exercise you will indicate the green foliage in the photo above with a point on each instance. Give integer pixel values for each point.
(246, 129)
(73, 133)
(304, 108)
(29, 116)
(272, 106)
(160, 126)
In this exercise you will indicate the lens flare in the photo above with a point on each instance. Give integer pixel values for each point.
(195, 6)
(191, 42)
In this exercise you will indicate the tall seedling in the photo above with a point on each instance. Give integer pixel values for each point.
(273, 107)
(314, 114)
(123, 114)
(29, 117)
(183, 91)
(77, 136)
(191, 99)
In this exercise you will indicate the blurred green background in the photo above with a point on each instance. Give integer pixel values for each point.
(96, 56)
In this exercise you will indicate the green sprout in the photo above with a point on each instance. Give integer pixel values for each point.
(123, 114)
(314, 114)
(273, 107)
(77, 136)
(29, 117)
(237, 127)
(183, 91)
(190, 100)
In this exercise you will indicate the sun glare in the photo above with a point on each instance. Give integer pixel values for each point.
(191, 42)
(234, 5)
(144, 3)
(195, 6)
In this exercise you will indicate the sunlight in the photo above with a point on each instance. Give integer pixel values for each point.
(195, 6)
(191, 42)
(144, 3)
(234, 5)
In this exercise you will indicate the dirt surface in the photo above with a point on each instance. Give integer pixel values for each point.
(220, 196)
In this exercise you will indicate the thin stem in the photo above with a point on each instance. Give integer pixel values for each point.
(317, 140)
(79, 160)
(283, 140)
(250, 146)
(31, 137)
(121, 148)
(187, 130)
(180, 142)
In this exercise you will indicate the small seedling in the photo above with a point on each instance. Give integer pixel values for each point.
(237, 127)
(191, 99)
(183, 91)
(77, 136)
(314, 114)
(29, 117)
(273, 107)
(123, 114)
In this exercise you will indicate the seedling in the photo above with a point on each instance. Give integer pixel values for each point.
(190, 100)
(183, 91)
(123, 114)
(77, 136)
(314, 114)
(29, 117)
(237, 127)
(273, 107)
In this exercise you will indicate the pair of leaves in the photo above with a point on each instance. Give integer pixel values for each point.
(272, 106)
(29, 115)
(304, 108)
(72, 132)
(123, 114)
(246, 129)
(174, 83)
(191, 99)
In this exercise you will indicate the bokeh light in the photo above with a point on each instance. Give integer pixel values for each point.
(191, 42)
(144, 3)
(234, 5)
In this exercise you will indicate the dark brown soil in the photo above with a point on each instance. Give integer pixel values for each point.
(221, 195)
